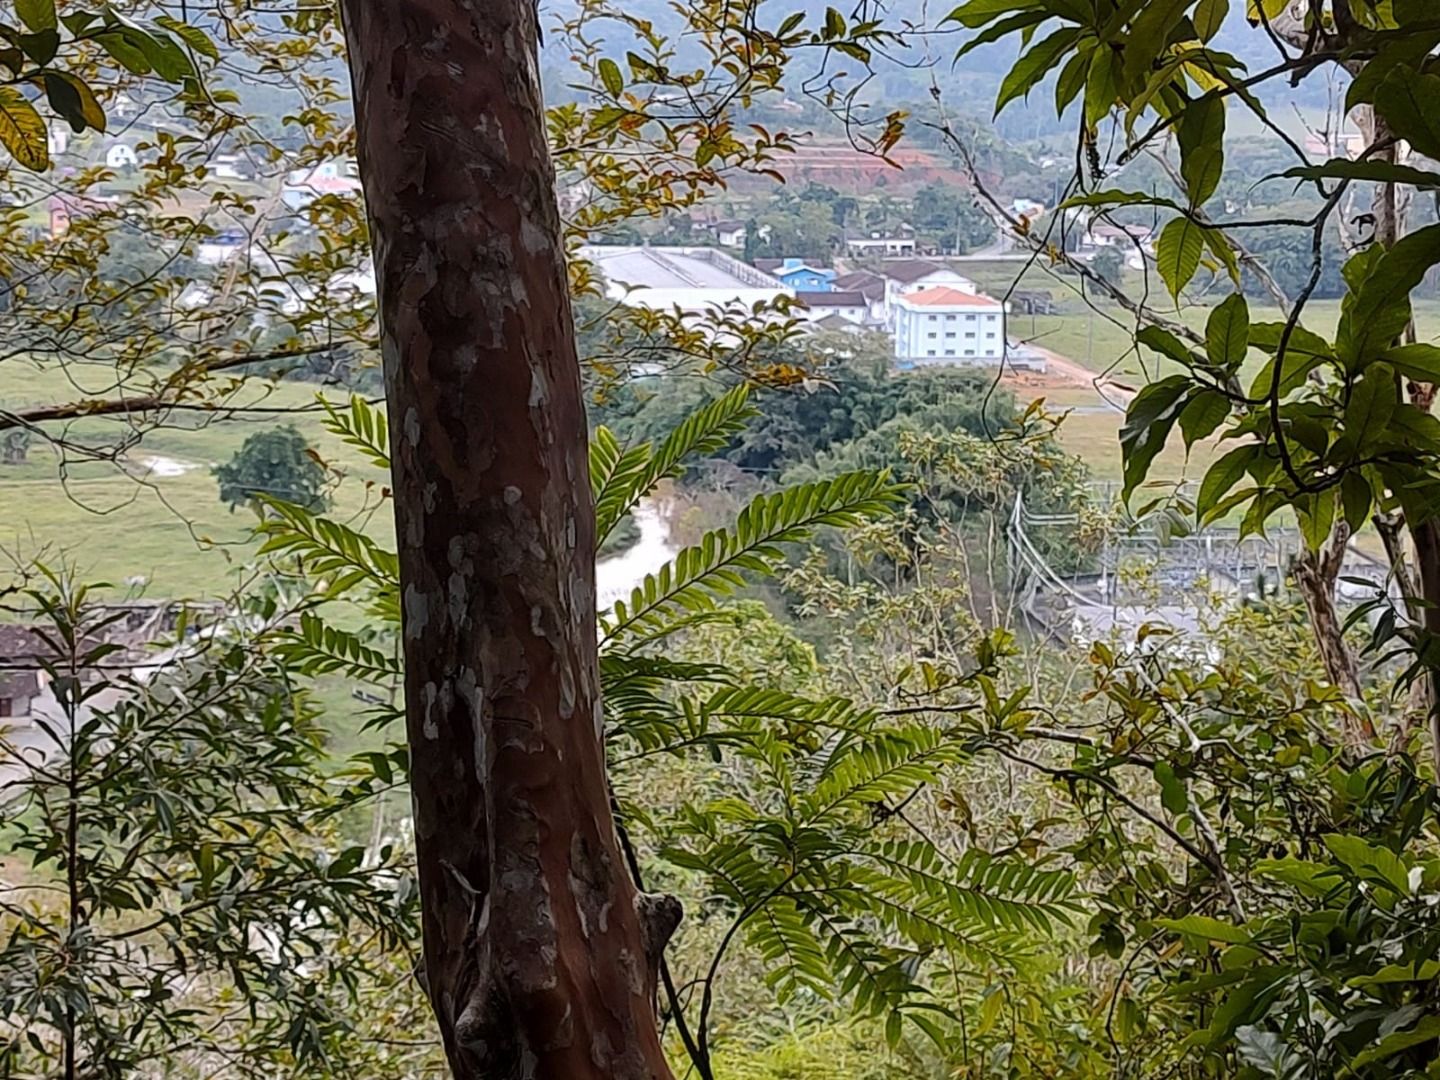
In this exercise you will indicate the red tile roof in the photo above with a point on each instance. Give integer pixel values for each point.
(943, 296)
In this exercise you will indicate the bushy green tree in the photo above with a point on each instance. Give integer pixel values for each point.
(277, 463)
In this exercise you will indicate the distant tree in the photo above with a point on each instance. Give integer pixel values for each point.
(278, 463)
(14, 446)
(1110, 265)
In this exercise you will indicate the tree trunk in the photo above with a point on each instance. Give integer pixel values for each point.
(540, 956)
(1316, 574)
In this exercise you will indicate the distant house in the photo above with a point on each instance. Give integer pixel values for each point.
(22, 676)
(1334, 144)
(873, 288)
(1028, 209)
(1134, 242)
(850, 306)
(889, 243)
(728, 234)
(835, 324)
(944, 325)
(222, 247)
(335, 177)
(912, 275)
(120, 156)
(797, 274)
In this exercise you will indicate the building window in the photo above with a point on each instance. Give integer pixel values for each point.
(969, 333)
(949, 318)
(930, 353)
(971, 318)
(933, 318)
(931, 334)
(969, 352)
(991, 335)
(949, 333)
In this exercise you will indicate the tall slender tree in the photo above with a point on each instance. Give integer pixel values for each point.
(540, 955)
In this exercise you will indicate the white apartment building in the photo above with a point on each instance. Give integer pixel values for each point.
(944, 325)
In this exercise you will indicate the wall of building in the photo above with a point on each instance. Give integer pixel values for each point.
(948, 336)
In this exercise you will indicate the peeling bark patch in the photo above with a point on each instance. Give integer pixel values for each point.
(591, 878)
(417, 613)
(430, 727)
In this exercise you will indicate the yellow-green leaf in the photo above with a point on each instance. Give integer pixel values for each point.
(22, 131)
(1177, 254)
(37, 15)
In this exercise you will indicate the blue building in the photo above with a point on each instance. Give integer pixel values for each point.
(799, 275)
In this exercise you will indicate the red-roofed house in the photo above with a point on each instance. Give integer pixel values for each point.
(946, 325)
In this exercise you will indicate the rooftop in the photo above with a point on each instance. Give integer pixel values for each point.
(910, 270)
(832, 299)
(675, 268)
(940, 296)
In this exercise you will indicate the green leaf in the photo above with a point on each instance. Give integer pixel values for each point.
(1118, 198)
(22, 131)
(1407, 100)
(612, 78)
(1201, 135)
(1380, 308)
(1356, 497)
(1419, 362)
(1423, 1032)
(1378, 172)
(1304, 352)
(73, 99)
(1205, 412)
(620, 480)
(193, 36)
(1147, 426)
(1172, 789)
(718, 564)
(1001, 29)
(130, 56)
(1370, 861)
(37, 14)
(1100, 91)
(1219, 245)
(1071, 81)
(169, 60)
(1207, 929)
(1177, 255)
(1223, 475)
(1317, 517)
(977, 13)
(1150, 34)
(1165, 343)
(1391, 974)
(1034, 66)
(1372, 402)
(1227, 332)
(1209, 16)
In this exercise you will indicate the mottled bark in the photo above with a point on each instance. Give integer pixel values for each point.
(1316, 574)
(540, 955)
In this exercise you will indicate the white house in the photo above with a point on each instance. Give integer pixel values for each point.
(338, 177)
(729, 234)
(913, 275)
(887, 243)
(874, 289)
(850, 306)
(945, 325)
(120, 156)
